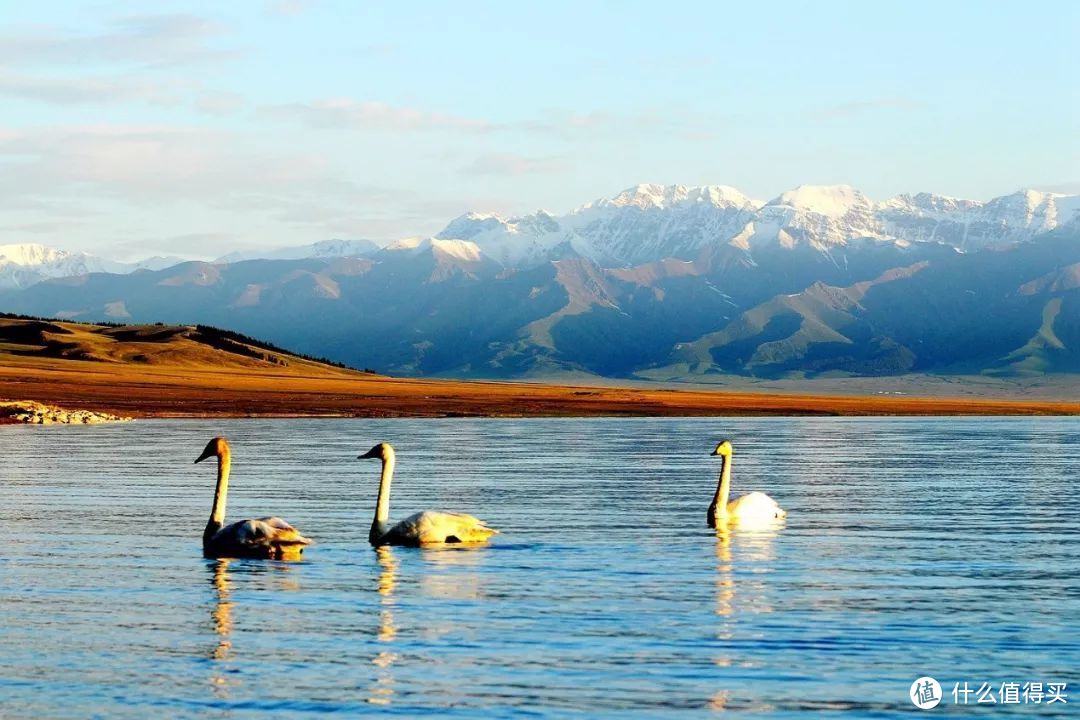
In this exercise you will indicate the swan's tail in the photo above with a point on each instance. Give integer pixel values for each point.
(479, 533)
(297, 539)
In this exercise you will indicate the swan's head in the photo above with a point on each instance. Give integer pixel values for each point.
(215, 448)
(724, 448)
(382, 451)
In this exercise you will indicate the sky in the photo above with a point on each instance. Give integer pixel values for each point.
(132, 129)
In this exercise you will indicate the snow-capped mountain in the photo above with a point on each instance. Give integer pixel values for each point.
(435, 259)
(24, 264)
(644, 223)
(457, 249)
(821, 216)
(651, 222)
(971, 225)
(325, 249)
(431, 306)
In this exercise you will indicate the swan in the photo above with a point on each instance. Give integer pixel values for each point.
(267, 537)
(753, 507)
(423, 528)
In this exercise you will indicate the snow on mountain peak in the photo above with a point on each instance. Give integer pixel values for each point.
(726, 196)
(458, 249)
(469, 225)
(27, 254)
(1029, 211)
(412, 243)
(25, 264)
(322, 249)
(342, 248)
(820, 216)
(1050, 209)
(653, 196)
(650, 222)
(834, 201)
(928, 204)
(643, 196)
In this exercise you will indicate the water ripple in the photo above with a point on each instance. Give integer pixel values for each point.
(914, 546)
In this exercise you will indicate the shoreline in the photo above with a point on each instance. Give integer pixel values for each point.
(156, 391)
(32, 412)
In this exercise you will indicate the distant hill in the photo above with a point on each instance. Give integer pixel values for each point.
(198, 371)
(180, 346)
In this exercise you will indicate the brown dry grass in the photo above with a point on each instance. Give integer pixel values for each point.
(163, 391)
(186, 379)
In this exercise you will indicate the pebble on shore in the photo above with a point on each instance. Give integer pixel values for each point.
(34, 413)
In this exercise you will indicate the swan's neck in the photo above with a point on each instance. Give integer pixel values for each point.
(382, 507)
(217, 514)
(718, 509)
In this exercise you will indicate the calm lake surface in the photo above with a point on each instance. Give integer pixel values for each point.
(942, 547)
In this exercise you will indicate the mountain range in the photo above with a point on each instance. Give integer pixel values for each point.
(658, 282)
(25, 264)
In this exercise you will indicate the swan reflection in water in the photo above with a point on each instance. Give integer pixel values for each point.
(222, 677)
(454, 572)
(446, 581)
(383, 690)
(223, 627)
(752, 550)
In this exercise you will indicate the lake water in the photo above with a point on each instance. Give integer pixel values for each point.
(941, 547)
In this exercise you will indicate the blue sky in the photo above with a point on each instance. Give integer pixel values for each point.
(198, 128)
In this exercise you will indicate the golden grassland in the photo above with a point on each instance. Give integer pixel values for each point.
(172, 371)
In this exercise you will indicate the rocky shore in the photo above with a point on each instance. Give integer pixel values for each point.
(34, 413)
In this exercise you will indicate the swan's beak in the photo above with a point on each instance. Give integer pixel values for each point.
(372, 453)
(207, 453)
(712, 453)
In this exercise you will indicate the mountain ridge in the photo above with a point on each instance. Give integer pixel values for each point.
(650, 222)
(662, 282)
(437, 307)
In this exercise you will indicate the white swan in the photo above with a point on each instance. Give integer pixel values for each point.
(268, 537)
(755, 507)
(423, 528)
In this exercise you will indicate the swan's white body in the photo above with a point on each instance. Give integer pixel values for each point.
(752, 508)
(267, 537)
(423, 528)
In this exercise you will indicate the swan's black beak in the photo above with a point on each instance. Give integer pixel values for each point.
(712, 453)
(207, 453)
(372, 453)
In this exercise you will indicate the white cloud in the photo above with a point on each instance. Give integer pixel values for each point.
(286, 8)
(129, 186)
(348, 113)
(513, 164)
(219, 103)
(149, 40)
(76, 91)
